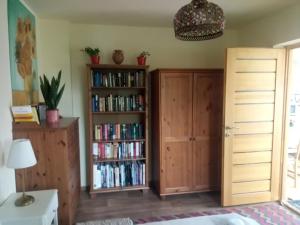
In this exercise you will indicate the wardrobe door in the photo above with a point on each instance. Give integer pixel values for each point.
(207, 123)
(176, 128)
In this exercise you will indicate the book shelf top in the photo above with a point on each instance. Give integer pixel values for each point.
(116, 67)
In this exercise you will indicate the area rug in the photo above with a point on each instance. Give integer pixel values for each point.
(264, 214)
(122, 221)
(223, 219)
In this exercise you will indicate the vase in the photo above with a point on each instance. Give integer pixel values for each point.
(141, 60)
(118, 57)
(95, 59)
(52, 116)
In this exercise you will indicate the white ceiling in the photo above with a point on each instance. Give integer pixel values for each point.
(149, 12)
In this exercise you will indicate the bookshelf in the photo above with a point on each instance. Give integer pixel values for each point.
(117, 128)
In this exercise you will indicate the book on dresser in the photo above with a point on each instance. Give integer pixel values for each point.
(117, 128)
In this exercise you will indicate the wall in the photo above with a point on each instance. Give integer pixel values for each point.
(166, 51)
(273, 29)
(53, 49)
(7, 176)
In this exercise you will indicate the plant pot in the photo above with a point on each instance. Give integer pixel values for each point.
(52, 116)
(141, 60)
(95, 59)
(118, 57)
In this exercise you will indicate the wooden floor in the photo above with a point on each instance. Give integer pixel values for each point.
(136, 205)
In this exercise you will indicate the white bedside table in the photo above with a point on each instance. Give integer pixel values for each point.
(42, 212)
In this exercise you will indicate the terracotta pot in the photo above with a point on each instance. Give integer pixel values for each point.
(95, 59)
(141, 60)
(118, 57)
(52, 116)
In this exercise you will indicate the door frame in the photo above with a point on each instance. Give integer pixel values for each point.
(285, 128)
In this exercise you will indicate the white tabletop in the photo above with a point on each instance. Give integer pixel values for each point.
(37, 209)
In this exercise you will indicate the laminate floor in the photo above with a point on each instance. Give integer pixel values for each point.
(136, 204)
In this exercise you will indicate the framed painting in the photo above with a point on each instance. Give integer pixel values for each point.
(22, 50)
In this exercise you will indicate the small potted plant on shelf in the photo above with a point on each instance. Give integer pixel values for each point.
(94, 54)
(141, 59)
(52, 95)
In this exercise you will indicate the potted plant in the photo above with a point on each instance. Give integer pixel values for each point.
(142, 58)
(94, 54)
(52, 95)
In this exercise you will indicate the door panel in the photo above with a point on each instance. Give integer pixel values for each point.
(176, 111)
(254, 112)
(252, 142)
(207, 116)
(252, 125)
(254, 128)
(254, 97)
(178, 158)
(206, 156)
(251, 172)
(253, 186)
(252, 157)
(256, 65)
(255, 82)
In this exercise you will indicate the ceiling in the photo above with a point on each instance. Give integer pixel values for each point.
(149, 12)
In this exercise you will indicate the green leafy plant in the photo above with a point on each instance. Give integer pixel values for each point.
(92, 51)
(144, 54)
(51, 92)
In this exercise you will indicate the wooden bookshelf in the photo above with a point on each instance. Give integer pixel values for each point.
(100, 117)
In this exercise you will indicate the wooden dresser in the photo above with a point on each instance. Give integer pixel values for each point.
(57, 151)
(186, 124)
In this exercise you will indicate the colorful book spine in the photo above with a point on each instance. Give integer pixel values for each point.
(111, 131)
(120, 79)
(120, 150)
(110, 175)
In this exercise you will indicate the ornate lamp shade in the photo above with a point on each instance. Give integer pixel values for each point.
(200, 20)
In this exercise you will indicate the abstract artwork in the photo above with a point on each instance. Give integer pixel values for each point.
(22, 50)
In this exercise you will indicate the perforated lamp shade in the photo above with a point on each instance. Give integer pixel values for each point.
(198, 21)
(21, 154)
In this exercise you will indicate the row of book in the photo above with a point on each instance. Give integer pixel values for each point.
(111, 175)
(117, 131)
(120, 150)
(118, 103)
(120, 79)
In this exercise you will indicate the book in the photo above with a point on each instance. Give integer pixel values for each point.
(125, 174)
(120, 79)
(25, 113)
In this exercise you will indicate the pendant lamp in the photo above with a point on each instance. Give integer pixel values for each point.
(199, 20)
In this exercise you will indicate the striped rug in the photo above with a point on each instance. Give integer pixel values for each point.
(265, 214)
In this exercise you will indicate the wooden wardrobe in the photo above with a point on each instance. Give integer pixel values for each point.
(186, 129)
